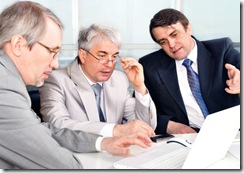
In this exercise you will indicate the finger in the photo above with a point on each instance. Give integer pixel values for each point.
(234, 82)
(141, 129)
(230, 70)
(149, 130)
(228, 90)
(233, 73)
(229, 83)
(130, 63)
(126, 65)
(229, 67)
(146, 139)
(121, 151)
(232, 91)
(122, 64)
(233, 87)
(142, 142)
(145, 127)
(126, 60)
(236, 77)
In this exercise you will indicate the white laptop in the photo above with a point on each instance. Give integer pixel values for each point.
(211, 145)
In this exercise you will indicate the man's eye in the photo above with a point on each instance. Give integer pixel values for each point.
(102, 56)
(162, 42)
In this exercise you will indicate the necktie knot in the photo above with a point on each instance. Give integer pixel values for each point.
(187, 62)
(97, 89)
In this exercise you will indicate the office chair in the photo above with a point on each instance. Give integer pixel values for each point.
(35, 100)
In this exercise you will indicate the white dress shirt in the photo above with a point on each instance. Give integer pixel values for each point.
(107, 130)
(193, 110)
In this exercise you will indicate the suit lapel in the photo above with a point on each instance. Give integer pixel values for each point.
(110, 100)
(85, 91)
(167, 73)
(206, 65)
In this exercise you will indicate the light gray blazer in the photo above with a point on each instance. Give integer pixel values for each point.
(67, 100)
(25, 143)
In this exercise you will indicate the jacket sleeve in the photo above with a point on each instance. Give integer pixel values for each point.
(75, 140)
(25, 143)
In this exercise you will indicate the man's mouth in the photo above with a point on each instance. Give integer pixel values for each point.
(46, 74)
(176, 51)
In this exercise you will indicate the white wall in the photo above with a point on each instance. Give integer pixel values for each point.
(209, 19)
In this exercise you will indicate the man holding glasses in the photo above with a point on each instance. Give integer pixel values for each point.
(70, 100)
(30, 39)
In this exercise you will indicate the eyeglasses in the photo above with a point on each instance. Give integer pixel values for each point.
(103, 60)
(55, 53)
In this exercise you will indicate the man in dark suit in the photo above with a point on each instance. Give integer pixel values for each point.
(216, 63)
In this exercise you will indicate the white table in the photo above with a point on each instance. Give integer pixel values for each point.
(104, 160)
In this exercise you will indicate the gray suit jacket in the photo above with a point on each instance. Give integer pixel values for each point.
(25, 143)
(67, 100)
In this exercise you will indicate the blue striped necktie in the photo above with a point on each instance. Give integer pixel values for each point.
(97, 91)
(193, 80)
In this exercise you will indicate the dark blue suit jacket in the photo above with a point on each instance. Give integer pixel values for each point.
(161, 80)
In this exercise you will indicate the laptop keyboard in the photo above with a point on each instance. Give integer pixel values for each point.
(172, 160)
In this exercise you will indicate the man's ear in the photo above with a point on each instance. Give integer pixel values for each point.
(82, 56)
(17, 42)
(189, 29)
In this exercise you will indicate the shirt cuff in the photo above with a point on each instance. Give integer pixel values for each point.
(98, 143)
(107, 130)
(145, 100)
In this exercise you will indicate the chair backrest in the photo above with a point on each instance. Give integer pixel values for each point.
(35, 99)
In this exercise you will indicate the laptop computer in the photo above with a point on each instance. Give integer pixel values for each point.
(211, 145)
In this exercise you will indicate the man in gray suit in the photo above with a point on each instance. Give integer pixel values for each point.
(68, 99)
(30, 40)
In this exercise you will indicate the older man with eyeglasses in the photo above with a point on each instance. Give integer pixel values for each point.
(30, 39)
(69, 101)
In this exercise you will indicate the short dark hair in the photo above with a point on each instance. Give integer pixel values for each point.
(167, 17)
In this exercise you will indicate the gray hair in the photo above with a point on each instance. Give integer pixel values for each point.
(95, 33)
(27, 19)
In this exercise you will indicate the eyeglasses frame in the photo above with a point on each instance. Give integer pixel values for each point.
(49, 49)
(99, 60)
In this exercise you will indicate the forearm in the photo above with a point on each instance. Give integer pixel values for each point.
(142, 89)
(74, 140)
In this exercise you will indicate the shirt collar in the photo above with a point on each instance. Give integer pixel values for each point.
(89, 81)
(192, 55)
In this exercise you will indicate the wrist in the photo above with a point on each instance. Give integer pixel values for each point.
(104, 143)
(116, 130)
(142, 90)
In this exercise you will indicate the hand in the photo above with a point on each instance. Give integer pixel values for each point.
(234, 79)
(134, 72)
(178, 128)
(119, 145)
(132, 127)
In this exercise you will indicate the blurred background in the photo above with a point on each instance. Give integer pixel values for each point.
(210, 19)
